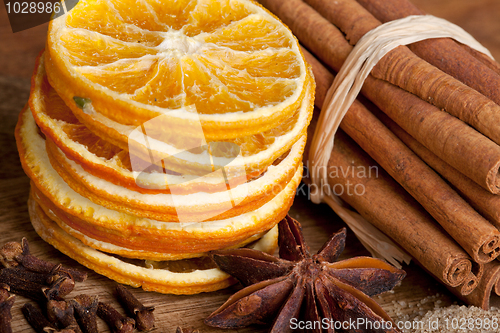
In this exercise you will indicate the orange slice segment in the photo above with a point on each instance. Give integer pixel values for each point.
(208, 16)
(254, 32)
(99, 17)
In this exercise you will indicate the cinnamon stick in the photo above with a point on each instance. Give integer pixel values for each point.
(481, 296)
(483, 201)
(459, 145)
(460, 61)
(475, 234)
(472, 281)
(404, 69)
(385, 204)
(313, 30)
(490, 63)
(469, 285)
(453, 141)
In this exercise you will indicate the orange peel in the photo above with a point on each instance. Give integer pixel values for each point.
(194, 281)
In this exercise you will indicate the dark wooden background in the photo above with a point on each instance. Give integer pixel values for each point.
(17, 56)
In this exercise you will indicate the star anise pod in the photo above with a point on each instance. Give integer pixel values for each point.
(299, 291)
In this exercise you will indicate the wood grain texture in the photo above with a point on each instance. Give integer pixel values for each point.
(17, 55)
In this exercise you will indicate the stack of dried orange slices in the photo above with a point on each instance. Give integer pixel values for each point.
(160, 130)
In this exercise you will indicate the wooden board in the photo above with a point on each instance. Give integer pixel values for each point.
(17, 55)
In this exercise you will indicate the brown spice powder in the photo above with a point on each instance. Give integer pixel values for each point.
(451, 319)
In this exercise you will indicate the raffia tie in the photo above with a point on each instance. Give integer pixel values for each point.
(372, 47)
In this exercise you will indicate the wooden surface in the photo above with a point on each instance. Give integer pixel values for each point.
(17, 56)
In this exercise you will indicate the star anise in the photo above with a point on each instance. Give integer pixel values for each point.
(299, 291)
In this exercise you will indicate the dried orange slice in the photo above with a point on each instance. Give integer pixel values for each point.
(185, 277)
(115, 225)
(107, 161)
(132, 245)
(230, 66)
(171, 207)
(192, 207)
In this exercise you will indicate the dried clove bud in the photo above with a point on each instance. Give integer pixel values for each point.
(86, 312)
(36, 319)
(25, 283)
(66, 285)
(57, 290)
(6, 303)
(143, 315)
(8, 252)
(116, 322)
(38, 265)
(62, 313)
(4, 291)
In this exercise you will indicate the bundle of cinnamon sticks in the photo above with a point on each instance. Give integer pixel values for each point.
(429, 120)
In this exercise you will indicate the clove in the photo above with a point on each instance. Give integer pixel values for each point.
(57, 290)
(36, 319)
(116, 322)
(86, 312)
(66, 282)
(35, 264)
(6, 303)
(8, 252)
(143, 315)
(25, 283)
(4, 291)
(62, 314)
